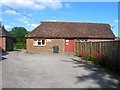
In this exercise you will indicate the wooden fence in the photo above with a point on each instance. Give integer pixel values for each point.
(108, 48)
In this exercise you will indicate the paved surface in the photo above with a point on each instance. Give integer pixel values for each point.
(0, 71)
(0, 75)
(23, 70)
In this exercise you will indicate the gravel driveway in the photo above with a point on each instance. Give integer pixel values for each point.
(23, 70)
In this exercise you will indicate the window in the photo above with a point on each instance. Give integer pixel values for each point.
(39, 42)
(82, 40)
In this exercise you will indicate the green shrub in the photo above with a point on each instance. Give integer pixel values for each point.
(20, 46)
(88, 57)
(100, 59)
(103, 60)
(77, 54)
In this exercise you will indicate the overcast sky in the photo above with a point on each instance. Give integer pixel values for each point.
(29, 13)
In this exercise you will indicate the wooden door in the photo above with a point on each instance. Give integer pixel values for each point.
(69, 45)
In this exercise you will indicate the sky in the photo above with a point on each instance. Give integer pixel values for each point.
(30, 13)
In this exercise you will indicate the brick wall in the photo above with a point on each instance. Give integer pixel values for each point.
(4, 43)
(48, 48)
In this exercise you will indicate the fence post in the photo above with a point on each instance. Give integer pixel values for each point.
(100, 47)
(91, 48)
(75, 48)
(85, 47)
(79, 48)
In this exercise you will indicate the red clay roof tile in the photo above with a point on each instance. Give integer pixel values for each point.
(72, 30)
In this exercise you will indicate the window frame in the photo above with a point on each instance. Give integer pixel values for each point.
(39, 40)
(83, 40)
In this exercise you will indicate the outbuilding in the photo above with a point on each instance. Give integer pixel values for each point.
(6, 41)
(64, 35)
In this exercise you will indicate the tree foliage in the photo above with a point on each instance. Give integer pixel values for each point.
(18, 33)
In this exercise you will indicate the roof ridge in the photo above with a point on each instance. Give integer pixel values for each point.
(72, 22)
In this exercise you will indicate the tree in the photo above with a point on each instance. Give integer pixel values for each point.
(18, 33)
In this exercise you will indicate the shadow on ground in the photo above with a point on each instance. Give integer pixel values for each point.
(98, 74)
(4, 53)
(2, 56)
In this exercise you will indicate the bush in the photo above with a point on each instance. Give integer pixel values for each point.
(96, 58)
(88, 57)
(77, 54)
(20, 46)
(103, 61)
(100, 59)
(18, 34)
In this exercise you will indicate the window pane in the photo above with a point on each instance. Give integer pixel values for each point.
(43, 42)
(39, 43)
(39, 40)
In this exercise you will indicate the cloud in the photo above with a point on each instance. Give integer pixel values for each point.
(37, 6)
(11, 12)
(34, 4)
(54, 4)
(67, 5)
(51, 20)
(117, 20)
(8, 27)
(28, 25)
(33, 25)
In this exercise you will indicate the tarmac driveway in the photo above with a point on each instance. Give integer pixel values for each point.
(23, 70)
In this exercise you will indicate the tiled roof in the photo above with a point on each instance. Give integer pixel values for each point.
(72, 30)
(3, 31)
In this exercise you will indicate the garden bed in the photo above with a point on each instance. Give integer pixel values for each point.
(99, 60)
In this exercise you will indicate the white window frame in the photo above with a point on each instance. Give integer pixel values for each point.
(83, 40)
(39, 40)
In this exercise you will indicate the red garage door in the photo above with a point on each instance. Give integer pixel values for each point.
(69, 45)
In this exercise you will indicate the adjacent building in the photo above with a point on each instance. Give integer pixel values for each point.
(6, 41)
